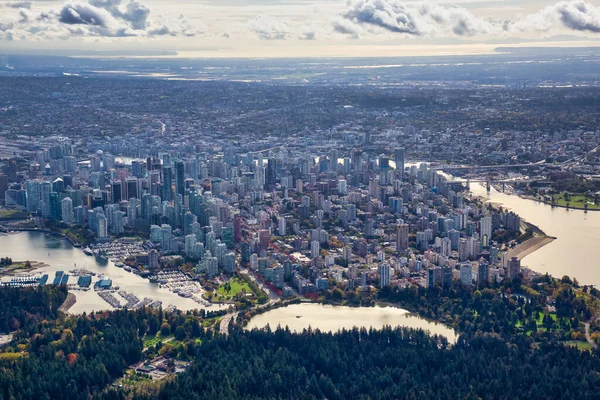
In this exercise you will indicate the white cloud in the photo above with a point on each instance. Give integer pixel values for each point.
(573, 15)
(429, 18)
(96, 18)
(415, 19)
(270, 28)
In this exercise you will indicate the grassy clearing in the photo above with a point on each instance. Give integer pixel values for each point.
(581, 345)
(13, 214)
(231, 289)
(575, 201)
(153, 340)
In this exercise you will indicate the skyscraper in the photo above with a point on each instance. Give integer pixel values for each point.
(180, 177)
(514, 268)
(3, 186)
(167, 183)
(485, 229)
(402, 231)
(399, 160)
(67, 210)
(384, 275)
(32, 189)
(115, 192)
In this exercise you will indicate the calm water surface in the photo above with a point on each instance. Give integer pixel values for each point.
(576, 252)
(333, 318)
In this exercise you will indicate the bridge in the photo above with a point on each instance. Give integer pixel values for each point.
(491, 180)
(446, 168)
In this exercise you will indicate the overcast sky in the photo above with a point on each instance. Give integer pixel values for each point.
(289, 28)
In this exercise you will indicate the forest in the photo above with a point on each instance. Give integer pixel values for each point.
(497, 356)
(385, 364)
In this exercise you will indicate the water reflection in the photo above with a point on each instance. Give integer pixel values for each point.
(333, 318)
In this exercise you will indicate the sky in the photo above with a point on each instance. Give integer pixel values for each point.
(293, 28)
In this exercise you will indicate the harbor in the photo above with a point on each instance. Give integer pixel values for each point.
(59, 255)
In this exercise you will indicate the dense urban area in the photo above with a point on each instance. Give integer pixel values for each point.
(245, 197)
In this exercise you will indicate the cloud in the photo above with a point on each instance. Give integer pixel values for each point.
(269, 28)
(96, 18)
(19, 4)
(346, 27)
(414, 19)
(429, 18)
(390, 15)
(85, 14)
(573, 15)
(308, 35)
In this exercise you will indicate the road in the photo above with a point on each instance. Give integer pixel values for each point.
(224, 324)
(588, 337)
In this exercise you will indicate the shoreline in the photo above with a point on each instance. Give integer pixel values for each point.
(69, 302)
(73, 243)
(529, 246)
(539, 239)
(528, 197)
(35, 266)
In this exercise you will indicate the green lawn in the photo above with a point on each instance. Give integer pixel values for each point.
(13, 214)
(152, 340)
(236, 286)
(575, 201)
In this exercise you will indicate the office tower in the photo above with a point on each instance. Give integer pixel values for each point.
(3, 186)
(237, 228)
(264, 239)
(369, 228)
(446, 276)
(514, 268)
(384, 275)
(180, 178)
(137, 169)
(165, 240)
(131, 188)
(402, 231)
(466, 274)
(270, 174)
(118, 225)
(399, 160)
(315, 249)
(167, 183)
(67, 210)
(463, 251)
(485, 229)
(116, 192)
(32, 189)
(229, 263)
(188, 220)
(153, 261)
(483, 272)
(342, 186)
(454, 236)
(101, 227)
(282, 226)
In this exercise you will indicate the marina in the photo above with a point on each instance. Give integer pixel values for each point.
(60, 255)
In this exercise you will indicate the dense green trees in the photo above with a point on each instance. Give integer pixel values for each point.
(21, 308)
(386, 364)
(79, 357)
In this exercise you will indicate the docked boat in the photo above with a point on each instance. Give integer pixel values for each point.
(127, 268)
(88, 252)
